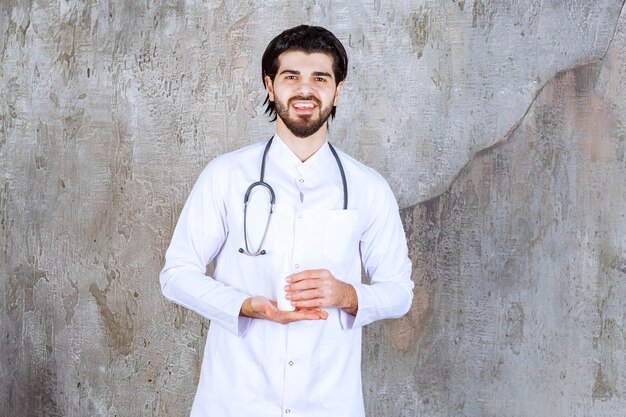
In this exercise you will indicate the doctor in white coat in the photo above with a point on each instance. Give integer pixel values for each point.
(312, 216)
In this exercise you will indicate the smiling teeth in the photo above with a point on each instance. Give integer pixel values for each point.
(304, 106)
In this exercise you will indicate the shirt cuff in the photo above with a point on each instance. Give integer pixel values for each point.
(379, 301)
(242, 323)
(346, 319)
(349, 321)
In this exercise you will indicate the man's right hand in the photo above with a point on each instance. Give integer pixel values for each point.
(262, 308)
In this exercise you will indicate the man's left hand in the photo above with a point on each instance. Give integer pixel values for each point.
(319, 288)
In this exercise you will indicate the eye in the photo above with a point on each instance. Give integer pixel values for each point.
(320, 79)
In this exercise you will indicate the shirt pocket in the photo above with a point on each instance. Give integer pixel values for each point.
(341, 237)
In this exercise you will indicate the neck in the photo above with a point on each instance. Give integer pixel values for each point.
(303, 148)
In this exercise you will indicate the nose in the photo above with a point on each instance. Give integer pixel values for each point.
(305, 88)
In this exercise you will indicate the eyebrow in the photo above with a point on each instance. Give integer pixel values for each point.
(322, 74)
(315, 73)
(289, 71)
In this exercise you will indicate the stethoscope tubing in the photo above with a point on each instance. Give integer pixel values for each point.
(261, 182)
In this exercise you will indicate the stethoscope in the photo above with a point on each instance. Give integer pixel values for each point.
(270, 190)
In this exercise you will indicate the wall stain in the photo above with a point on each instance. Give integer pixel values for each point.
(419, 27)
(602, 390)
(24, 278)
(34, 379)
(119, 319)
(70, 301)
(72, 123)
(40, 395)
(514, 327)
(407, 330)
(21, 21)
(5, 222)
(180, 316)
(482, 15)
(65, 40)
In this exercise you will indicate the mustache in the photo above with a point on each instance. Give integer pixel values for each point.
(303, 98)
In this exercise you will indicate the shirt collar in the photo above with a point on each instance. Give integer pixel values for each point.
(316, 162)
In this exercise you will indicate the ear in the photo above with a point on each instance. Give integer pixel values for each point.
(338, 92)
(269, 86)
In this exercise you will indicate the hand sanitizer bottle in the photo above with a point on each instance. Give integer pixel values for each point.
(279, 286)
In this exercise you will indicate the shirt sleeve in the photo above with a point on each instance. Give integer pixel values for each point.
(198, 237)
(384, 254)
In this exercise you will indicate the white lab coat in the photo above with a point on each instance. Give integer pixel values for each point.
(257, 368)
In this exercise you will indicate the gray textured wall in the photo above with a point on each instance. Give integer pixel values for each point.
(501, 127)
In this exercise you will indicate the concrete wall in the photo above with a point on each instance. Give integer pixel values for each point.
(501, 127)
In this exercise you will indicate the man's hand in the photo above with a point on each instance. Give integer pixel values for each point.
(261, 308)
(319, 288)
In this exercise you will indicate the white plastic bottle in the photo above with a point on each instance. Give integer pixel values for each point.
(279, 286)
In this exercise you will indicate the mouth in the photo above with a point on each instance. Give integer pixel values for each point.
(304, 106)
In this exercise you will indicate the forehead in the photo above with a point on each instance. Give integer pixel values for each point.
(303, 62)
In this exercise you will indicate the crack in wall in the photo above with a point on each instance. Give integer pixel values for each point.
(619, 17)
(517, 124)
(507, 135)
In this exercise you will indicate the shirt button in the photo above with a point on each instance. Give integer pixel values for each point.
(300, 180)
(290, 363)
(287, 411)
(297, 266)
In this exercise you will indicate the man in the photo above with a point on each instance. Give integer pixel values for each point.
(330, 214)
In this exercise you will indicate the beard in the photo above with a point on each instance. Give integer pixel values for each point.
(303, 126)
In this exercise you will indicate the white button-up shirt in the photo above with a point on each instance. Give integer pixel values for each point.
(258, 368)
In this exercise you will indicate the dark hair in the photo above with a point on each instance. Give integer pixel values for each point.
(308, 39)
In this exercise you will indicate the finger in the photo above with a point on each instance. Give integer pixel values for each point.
(323, 315)
(305, 295)
(262, 307)
(307, 284)
(308, 274)
(298, 315)
(312, 303)
(308, 308)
